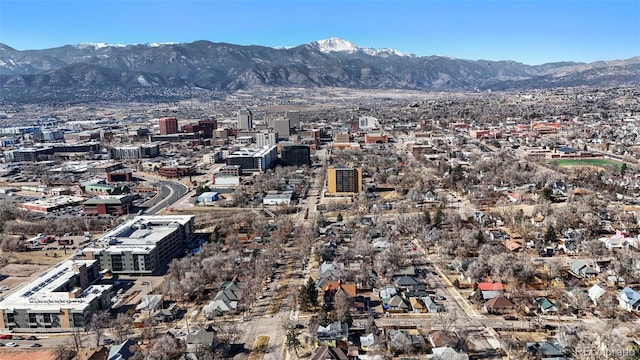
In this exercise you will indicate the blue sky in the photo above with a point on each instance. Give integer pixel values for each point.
(532, 32)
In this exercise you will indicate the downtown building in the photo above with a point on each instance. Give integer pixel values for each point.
(58, 300)
(343, 180)
(143, 245)
(296, 155)
(254, 160)
(245, 119)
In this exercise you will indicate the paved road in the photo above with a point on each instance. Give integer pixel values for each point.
(169, 193)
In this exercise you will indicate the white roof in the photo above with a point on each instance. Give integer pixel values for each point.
(40, 294)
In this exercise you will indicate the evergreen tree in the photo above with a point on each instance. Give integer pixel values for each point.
(426, 217)
(550, 235)
(308, 295)
(437, 222)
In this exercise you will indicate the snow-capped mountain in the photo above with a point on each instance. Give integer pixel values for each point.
(335, 44)
(180, 70)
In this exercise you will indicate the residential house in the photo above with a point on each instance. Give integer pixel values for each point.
(100, 353)
(595, 292)
(545, 305)
(122, 351)
(225, 301)
(326, 352)
(368, 341)
(490, 290)
(616, 281)
(416, 305)
(396, 304)
(629, 299)
(499, 305)
(581, 269)
(205, 336)
(333, 334)
(441, 338)
(406, 281)
(331, 288)
(149, 303)
(429, 305)
(446, 353)
(401, 341)
(544, 350)
(387, 292)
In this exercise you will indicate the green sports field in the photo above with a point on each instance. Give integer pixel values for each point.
(603, 163)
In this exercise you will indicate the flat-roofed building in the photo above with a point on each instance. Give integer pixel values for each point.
(296, 155)
(60, 299)
(108, 204)
(344, 180)
(168, 125)
(142, 245)
(254, 160)
(52, 203)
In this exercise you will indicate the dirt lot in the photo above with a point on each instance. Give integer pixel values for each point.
(14, 354)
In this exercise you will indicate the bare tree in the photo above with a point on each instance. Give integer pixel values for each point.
(166, 347)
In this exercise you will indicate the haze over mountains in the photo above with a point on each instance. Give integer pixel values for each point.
(172, 71)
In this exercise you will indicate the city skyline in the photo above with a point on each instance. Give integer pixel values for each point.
(531, 32)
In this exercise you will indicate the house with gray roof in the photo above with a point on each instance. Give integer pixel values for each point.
(629, 299)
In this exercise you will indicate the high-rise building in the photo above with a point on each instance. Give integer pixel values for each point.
(282, 127)
(245, 119)
(296, 155)
(294, 118)
(168, 126)
(208, 127)
(344, 180)
(264, 139)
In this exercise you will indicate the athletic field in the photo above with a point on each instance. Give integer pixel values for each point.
(603, 163)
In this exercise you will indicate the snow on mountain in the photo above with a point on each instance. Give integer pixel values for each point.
(340, 45)
(335, 45)
(97, 46)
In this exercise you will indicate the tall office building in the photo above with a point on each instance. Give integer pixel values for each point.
(296, 155)
(282, 127)
(168, 126)
(264, 139)
(344, 180)
(294, 119)
(245, 119)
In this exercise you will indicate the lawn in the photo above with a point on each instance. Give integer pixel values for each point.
(259, 348)
(603, 163)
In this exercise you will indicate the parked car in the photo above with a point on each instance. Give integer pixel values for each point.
(18, 337)
(12, 344)
(35, 345)
(6, 336)
(32, 338)
(108, 341)
(510, 317)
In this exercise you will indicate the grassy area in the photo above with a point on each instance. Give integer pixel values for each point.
(603, 163)
(259, 348)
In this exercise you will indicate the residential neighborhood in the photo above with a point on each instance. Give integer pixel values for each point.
(447, 226)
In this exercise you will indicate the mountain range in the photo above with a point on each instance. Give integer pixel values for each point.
(171, 71)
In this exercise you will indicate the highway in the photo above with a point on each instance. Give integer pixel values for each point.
(169, 192)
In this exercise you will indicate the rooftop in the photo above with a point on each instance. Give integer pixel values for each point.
(42, 293)
(141, 232)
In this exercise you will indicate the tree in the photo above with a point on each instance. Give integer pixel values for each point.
(342, 306)
(308, 295)
(292, 340)
(550, 236)
(98, 323)
(166, 347)
(546, 194)
(121, 326)
(426, 217)
(339, 218)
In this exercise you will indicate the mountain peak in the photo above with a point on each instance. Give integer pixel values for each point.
(335, 44)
